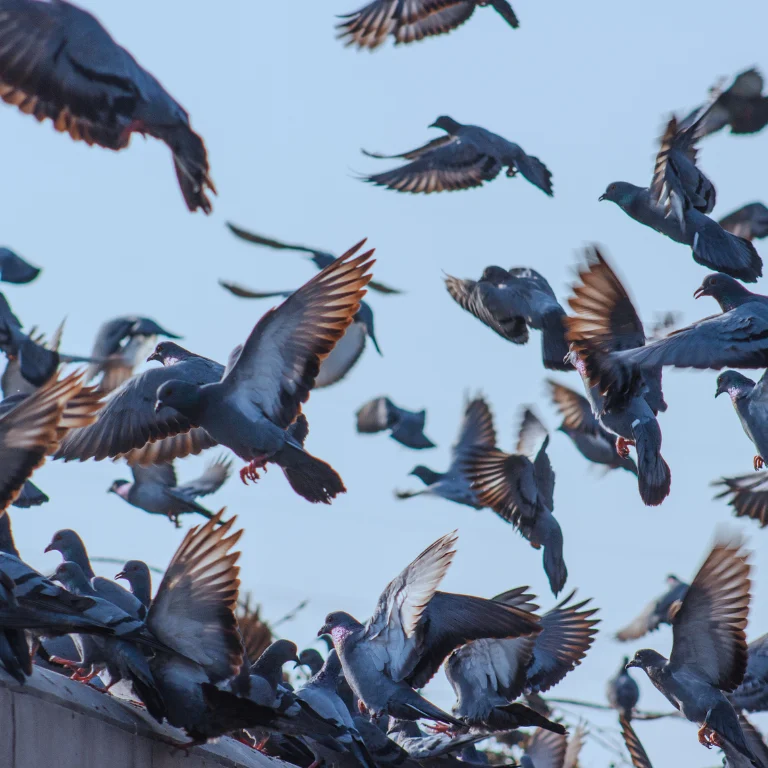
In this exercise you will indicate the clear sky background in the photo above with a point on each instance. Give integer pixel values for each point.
(284, 109)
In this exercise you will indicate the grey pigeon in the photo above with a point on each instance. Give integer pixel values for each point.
(312, 659)
(30, 496)
(130, 426)
(406, 427)
(750, 221)
(709, 650)
(742, 106)
(660, 610)
(321, 259)
(14, 269)
(465, 157)
(409, 22)
(270, 377)
(488, 675)
(750, 401)
(423, 746)
(476, 430)
(121, 345)
(752, 693)
(137, 574)
(605, 323)
(348, 349)
(58, 62)
(593, 441)
(623, 692)
(747, 494)
(637, 753)
(520, 487)
(545, 749)
(412, 630)
(512, 301)
(155, 490)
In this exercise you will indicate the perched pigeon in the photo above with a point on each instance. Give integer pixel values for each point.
(749, 221)
(58, 62)
(13, 269)
(348, 349)
(321, 259)
(270, 377)
(520, 487)
(466, 157)
(154, 489)
(412, 630)
(605, 322)
(409, 22)
(634, 746)
(752, 693)
(623, 692)
(138, 576)
(593, 441)
(476, 430)
(709, 650)
(742, 106)
(121, 345)
(312, 659)
(747, 494)
(488, 675)
(407, 427)
(512, 301)
(660, 610)
(750, 401)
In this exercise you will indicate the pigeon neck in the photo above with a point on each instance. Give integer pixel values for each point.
(329, 674)
(7, 544)
(124, 490)
(76, 552)
(269, 669)
(733, 296)
(141, 589)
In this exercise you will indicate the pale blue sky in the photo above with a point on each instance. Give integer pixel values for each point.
(284, 110)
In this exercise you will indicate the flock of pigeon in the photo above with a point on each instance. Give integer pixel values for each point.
(189, 654)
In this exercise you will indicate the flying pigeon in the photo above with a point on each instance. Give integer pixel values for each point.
(512, 301)
(58, 62)
(750, 401)
(742, 106)
(605, 322)
(709, 650)
(476, 430)
(30, 496)
(488, 675)
(592, 440)
(409, 22)
(545, 748)
(660, 610)
(270, 377)
(623, 692)
(520, 487)
(14, 269)
(750, 222)
(138, 576)
(465, 157)
(121, 345)
(412, 630)
(406, 427)
(747, 494)
(637, 752)
(155, 490)
(321, 259)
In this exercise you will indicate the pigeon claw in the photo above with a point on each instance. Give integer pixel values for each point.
(758, 462)
(440, 728)
(709, 738)
(622, 447)
(249, 471)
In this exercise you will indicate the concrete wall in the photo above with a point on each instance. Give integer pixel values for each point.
(52, 722)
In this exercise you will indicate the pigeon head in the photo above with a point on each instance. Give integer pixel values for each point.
(495, 275)
(133, 570)
(425, 474)
(448, 124)
(120, 487)
(726, 291)
(620, 192)
(71, 576)
(311, 659)
(338, 625)
(282, 651)
(67, 542)
(672, 580)
(183, 396)
(168, 353)
(145, 326)
(647, 659)
(734, 383)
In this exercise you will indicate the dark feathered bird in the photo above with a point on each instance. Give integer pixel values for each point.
(406, 427)
(14, 269)
(750, 401)
(465, 157)
(747, 494)
(622, 691)
(750, 221)
(660, 610)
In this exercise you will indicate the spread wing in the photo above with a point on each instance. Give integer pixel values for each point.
(752, 693)
(636, 751)
(476, 430)
(348, 350)
(370, 26)
(546, 749)
(574, 408)
(748, 495)
(160, 474)
(214, 476)
(749, 221)
(375, 416)
(438, 22)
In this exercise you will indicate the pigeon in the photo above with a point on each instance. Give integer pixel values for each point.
(623, 692)
(121, 345)
(270, 377)
(58, 62)
(755, 742)
(30, 496)
(14, 269)
(465, 157)
(750, 222)
(321, 259)
(312, 659)
(154, 489)
(660, 610)
(406, 427)
(709, 650)
(138, 576)
(605, 323)
(412, 630)
(519, 487)
(476, 430)
(488, 675)
(348, 349)
(750, 401)
(545, 749)
(409, 22)
(592, 440)
(747, 494)
(512, 301)
(742, 106)
(752, 693)
(637, 753)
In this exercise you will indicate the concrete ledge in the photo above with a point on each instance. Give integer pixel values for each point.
(52, 722)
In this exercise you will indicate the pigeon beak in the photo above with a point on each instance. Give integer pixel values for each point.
(158, 406)
(120, 575)
(719, 391)
(49, 548)
(631, 664)
(153, 356)
(324, 630)
(601, 198)
(699, 292)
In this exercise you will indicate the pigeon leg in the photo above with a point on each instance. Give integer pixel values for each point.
(758, 462)
(705, 736)
(362, 708)
(439, 728)
(715, 739)
(511, 172)
(248, 472)
(622, 447)
(77, 666)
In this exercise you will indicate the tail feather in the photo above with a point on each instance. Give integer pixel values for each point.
(535, 171)
(554, 566)
(504, 9)
(408, 705)
(312, 478)
(190, 160)
(554, 347)
(721, 251)
(516, 715)
(654, 477)
(724, 721)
